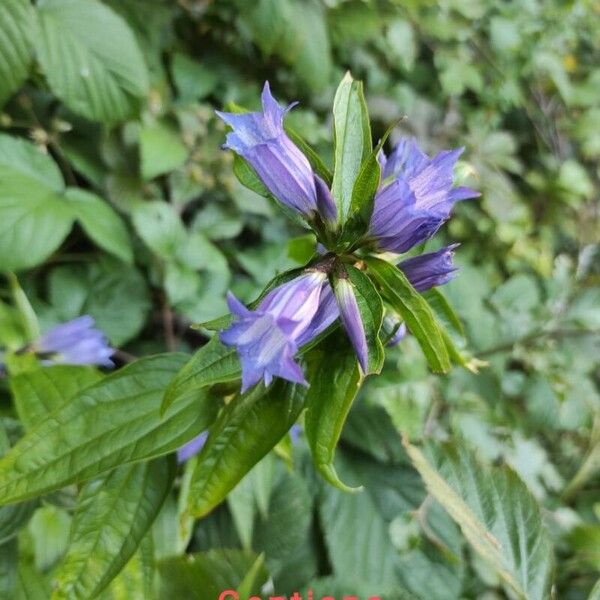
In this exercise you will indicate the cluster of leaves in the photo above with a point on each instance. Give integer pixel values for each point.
(115, 201)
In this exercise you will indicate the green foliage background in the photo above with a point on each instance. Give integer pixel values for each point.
(116, 201)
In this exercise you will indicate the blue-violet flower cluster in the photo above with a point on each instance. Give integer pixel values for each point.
(414, 199)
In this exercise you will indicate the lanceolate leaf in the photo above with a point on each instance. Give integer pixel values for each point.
(352, 141)
(112, 516)
(114, 422)
(91, 59)
(17, 17)
(247, 428)
(419, 317)
(335, 380)
(213, 363)
(38, 393)
(497, 514)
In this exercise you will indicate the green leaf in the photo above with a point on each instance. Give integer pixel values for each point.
(9, 556)
(17, 17)
(98, 290)
(114, 422)
(353, 144)
(158, 224)
(136, 580)
(91, 59)
(496, 513)
(283, 534)
(419, 317)
(193, 80)
(161, 149)
(207, 574)
(334, 382)
(101, 222)
(12, 519)
(245, 431)
(112, 516)
(213, 363)
(34, 219)
(49, 530)
(39, 392)
(31, 585)
(595, 593)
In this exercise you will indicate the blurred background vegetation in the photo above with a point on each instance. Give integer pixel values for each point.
(159, 228)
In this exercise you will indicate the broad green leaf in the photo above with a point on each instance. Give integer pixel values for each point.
(283, 534)
(91, 59)
(9, 556)
(49, 530)
(207, 574)
(31, 584)
(419, 317)
(38, 393)
(114, 422)
(34, 219)
(159, 225)
(242, 507)
(334, 382)
(213, 363)
(193, 80)
(17, 17)
(136, 580)
(14, 516)
(101, 222)
(496, 513)
(353, 144)
(245, 431)
(98, 289)
(161, 149)
(112, 516)
(595, 593)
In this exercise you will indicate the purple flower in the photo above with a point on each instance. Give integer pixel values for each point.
(259, 137)
(192, 448)
(75, 342)
(416, 197)
(267, 339)
(352, 321)
(431, 269)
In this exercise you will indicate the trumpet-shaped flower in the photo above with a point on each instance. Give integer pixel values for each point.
(416, 197)
(267, 339)
(75, 342)
(431, 269)
(260, 138)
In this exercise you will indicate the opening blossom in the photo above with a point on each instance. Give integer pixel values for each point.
(267, 338)
(416, 196)
(414, 199)
(76, 342)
